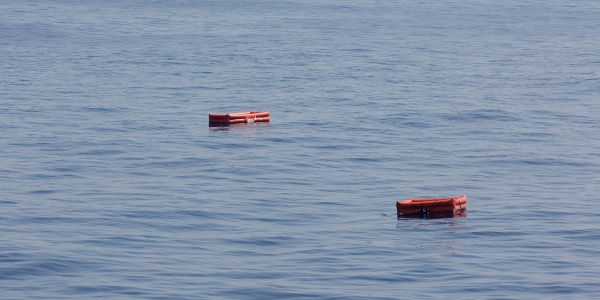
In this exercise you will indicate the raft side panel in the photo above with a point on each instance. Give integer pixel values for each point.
(236, 118)
(432, 205)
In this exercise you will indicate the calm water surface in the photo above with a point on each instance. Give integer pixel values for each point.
(113, 186)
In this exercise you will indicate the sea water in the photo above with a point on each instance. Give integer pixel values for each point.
(112, 185)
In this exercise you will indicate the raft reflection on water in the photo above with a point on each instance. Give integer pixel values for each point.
(460, 214)
(240, 128)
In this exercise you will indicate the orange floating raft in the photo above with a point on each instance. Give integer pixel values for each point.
(238, 118)
(427, 206)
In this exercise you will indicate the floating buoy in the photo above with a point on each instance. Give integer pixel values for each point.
(238, 118)
(428, 206)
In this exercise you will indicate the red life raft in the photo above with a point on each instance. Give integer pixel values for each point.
(238, 118)
(427, 206)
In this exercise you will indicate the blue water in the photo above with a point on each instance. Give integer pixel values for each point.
(112, 185)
